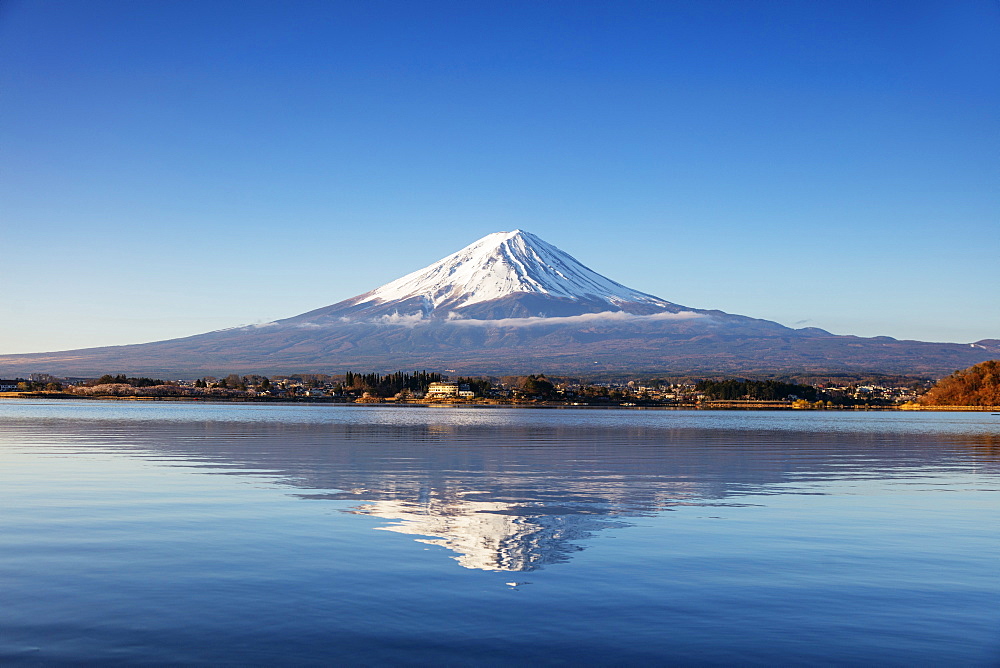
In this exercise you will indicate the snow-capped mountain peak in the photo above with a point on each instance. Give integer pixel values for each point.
(503, 264)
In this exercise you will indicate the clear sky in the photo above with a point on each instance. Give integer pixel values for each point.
(169, 168)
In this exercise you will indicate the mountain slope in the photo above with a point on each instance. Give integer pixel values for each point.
(511, 303)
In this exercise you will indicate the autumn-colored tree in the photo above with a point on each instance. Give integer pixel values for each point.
(978, 385)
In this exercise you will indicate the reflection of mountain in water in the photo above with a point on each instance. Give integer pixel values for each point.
(509, 497)
(507, 504)
(525, 535)
(519, 529)
(490, 536)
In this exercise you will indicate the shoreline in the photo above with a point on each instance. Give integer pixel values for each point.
(706, 406)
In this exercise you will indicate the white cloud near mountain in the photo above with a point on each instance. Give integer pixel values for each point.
(604, 316)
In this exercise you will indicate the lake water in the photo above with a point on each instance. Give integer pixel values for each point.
(173, 533)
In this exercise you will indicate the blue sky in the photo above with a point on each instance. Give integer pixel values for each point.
(169, 168)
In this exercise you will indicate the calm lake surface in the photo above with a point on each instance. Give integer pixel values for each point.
(171, 533)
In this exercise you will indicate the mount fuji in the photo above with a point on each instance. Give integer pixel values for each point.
(502, 276)
(512, 303)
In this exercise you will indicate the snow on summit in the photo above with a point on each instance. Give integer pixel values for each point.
(502, 264)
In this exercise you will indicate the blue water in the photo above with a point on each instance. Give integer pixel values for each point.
(162, 533)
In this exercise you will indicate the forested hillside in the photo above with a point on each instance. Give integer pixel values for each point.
(978, 385)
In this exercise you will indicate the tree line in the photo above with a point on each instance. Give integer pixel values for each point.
(390, 384)
(755, 390)
(122, 379)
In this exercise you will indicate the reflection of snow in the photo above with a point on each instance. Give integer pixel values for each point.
(489, 535)
(528, 523)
